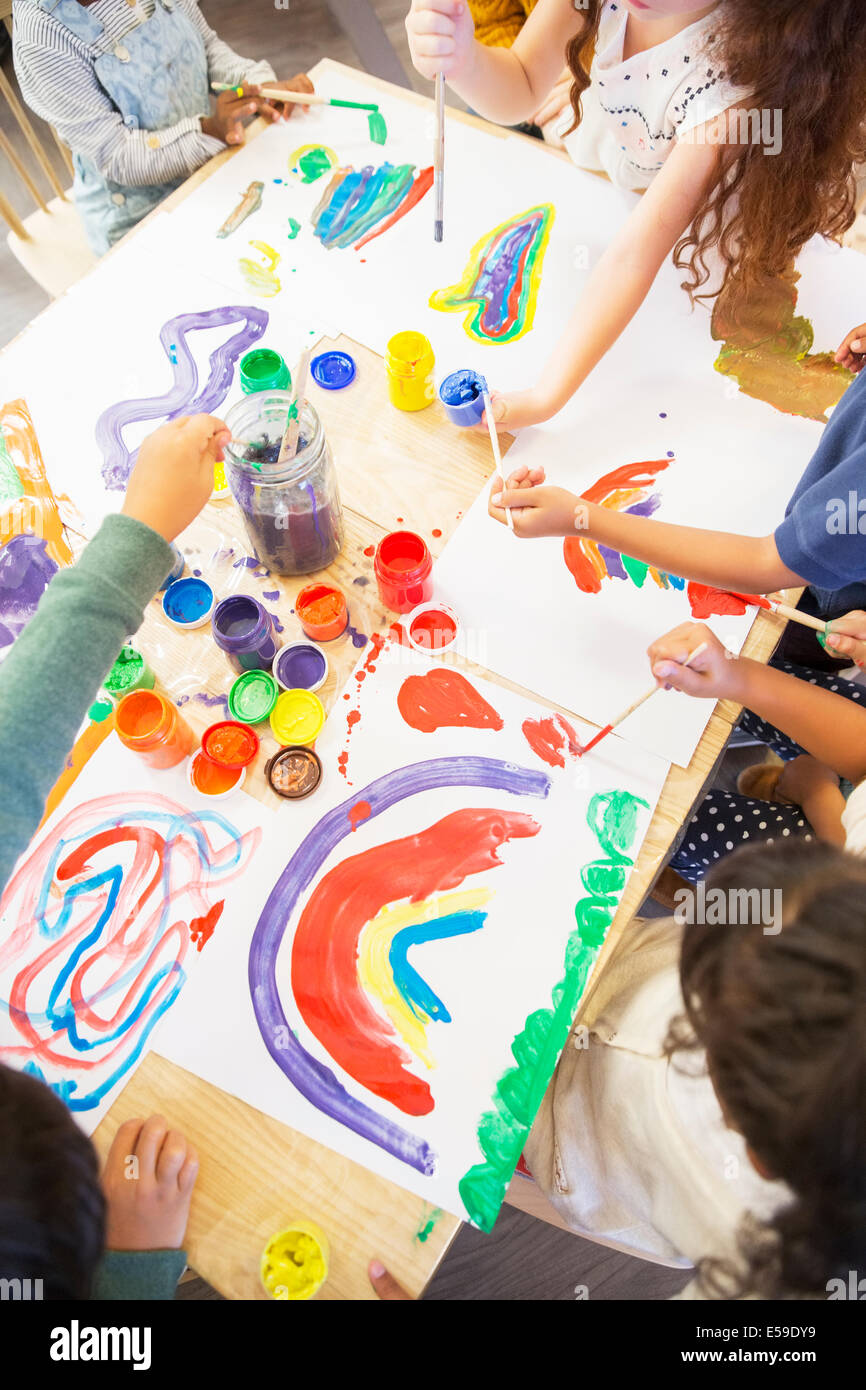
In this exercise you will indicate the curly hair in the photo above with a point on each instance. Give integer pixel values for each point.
(806, 59)
(782, 1022)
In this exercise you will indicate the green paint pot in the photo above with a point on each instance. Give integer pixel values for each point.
(129, 672)
(264, 370)
(253, 696)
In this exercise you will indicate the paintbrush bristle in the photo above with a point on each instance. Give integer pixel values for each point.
(439, 231)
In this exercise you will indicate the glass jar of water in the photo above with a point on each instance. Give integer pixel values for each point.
(291, 509)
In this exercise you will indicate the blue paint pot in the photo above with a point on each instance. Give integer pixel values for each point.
(462, 394)
(188, 603)
(177, 568)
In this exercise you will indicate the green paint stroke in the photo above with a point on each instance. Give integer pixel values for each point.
(425, 1230)
(378, 128)
(294, 228)
(613, 819)
(11, 486)
(314, 164)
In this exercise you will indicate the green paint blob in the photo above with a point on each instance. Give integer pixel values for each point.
(425, 1230)
(294, 228)
(100, 711)
(314, 164)
(129, 672)
(11, 486)
(378, 128)
(502, 1132)
(635, 569)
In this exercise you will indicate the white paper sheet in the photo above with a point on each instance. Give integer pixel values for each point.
(489, 979)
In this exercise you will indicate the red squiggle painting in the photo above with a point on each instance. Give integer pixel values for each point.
(325, 980)
(443, 699)
(706, 602)
(550, 738)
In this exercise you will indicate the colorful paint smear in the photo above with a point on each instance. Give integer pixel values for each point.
(443, 699)
(626, 489)
(551, 738)
(310, 162)
(261, 276)
(359, 205)
(706, 602)
(499, 287)
(324, 960)
(766, 349)
(187, 396)
(97, 925)
(250, 203)
(613, 818)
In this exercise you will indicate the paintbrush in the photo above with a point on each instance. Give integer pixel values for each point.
(302, 98)
(439, 160)
(494, 440)
(289, 446)
(621, 718)
(772, 605)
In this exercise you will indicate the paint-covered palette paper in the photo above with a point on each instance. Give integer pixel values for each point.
(119, 897)
(421, 931)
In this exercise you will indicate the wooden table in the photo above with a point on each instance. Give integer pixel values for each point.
(255, 1172)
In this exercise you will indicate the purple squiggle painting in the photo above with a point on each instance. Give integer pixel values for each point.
(184, 398)
(316, 1082)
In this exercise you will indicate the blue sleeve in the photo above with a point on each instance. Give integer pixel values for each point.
(823, 536)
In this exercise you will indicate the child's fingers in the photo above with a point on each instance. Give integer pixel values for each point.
(386, 1285)
(171, 1156)
(149, 1141)
(675, 676)
(428, 22)
(235, 135)
(846, 646)
(123, 1143)
(853, 343)
(850, 625)
(420, 8)
(189, 1172)
(434, 46)
(270, 113)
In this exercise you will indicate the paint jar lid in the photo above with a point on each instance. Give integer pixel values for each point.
(294, 1263)
(297, 717)
(294, 772)
(200, 765)
(252, 697)
(188, 603)
(230, 743)
(431, 628)
(264, 370)
(300, 666)
(333, 370)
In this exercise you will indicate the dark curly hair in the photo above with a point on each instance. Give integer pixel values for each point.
(807, 59)
(52, 1212)
(782, 1021)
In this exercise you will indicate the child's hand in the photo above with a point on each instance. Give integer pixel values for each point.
(847, 637)
(173, 477)
(852, 353)
(225, 123)
(516, 410)
(386, 1285)
(441, 36)
(284, 110)
(535, 511)
(148, 1180)
(713, 675)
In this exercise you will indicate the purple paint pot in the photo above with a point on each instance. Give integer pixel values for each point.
(301, 666)
(244, 630)
(462, 394)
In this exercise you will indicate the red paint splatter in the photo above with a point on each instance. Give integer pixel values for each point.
(347, 696)
(550, 737)
(397, 633)
(444, 699)
(353, 718)
(359, 812)
(422, 185)
(707, 602)
(325, 980)
(201, 928)
(369, 550)
(437, 533)
(400, 520)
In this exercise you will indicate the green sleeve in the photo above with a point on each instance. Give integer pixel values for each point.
(138, 1274)
(51, 675)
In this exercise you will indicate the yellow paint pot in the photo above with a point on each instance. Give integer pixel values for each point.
(409, 362)
(295, 1263)
(297, 718)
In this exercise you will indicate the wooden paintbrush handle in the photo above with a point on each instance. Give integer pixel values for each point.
(307, 98)
(795, 616)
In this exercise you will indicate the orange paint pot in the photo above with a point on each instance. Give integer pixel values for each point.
(230, 744)
(149, 724)
(213, 781)
(322, 611)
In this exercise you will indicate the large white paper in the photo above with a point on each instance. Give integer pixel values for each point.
(326, 1041)
(118, 898)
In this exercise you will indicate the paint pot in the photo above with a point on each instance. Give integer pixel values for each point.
(404, 571)
(188, 603)
(297, 718)
(244, 629)
(264, 370)
(230, 744)
(221, 487)
(177, 568)
(294, 1263)
(432, 628)
(149, 724)
(322, 611)
(301, 666)
(462, 394)
(212, 781)
(294, 773)
(409, 362)
(252, 697)
(333, 371)
(129, 672)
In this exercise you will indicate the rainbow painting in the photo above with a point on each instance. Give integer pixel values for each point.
(499, 287)
(626, 489)
(359, 205)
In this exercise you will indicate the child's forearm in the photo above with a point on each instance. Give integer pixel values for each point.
(495, 85)
(823, 810)
(828, 726)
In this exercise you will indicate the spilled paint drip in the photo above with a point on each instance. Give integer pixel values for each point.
(550, 738)
(766, 350)
(359, 639)
(443, 699)
(250, 203)
(358, 206)
(428, 1223)
(262, 278)
(626, 489)
(613, 819)
(502, 279)
(358, 813)
(353, 716)
(294, 228)
(212, 701)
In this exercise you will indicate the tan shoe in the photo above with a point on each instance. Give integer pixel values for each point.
(667, 884)
(761, 782)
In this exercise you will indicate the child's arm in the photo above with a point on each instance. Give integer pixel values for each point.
(86, 614)
(832, 729)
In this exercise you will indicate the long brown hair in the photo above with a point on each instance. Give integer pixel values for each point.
(806, 59)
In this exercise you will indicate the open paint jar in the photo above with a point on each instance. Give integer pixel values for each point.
(252, 697)
(294, 1263)
(409, 362)
(404, 571)
(129, 672)
(462, 394)
(244, 629)
(297, 718)
(432, 628)
(149, 724)
(291, 510)
(294, 773)
(322, 611)
(301, 666)
(219, 767)
(264, 370)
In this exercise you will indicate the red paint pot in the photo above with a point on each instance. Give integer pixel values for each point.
(322, 611)
(404, 571)
(432, 628)
(230, 744)
(150, 725)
